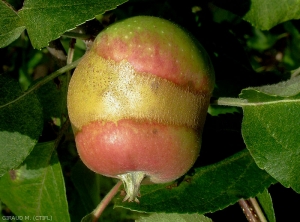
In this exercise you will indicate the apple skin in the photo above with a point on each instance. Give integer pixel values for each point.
(138, 100)
(161, 151)
(157, 46)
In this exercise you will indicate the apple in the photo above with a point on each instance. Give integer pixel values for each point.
(137, 102)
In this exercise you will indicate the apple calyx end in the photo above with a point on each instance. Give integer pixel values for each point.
(132, 182)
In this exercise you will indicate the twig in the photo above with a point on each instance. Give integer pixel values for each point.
(77, 35)
(71, 51)
(103, 204)
(58, 52)
(44, 81)
(258, 210)
(70, 57)
(62, 132)
(248, 210)
(224, 101)
(252, 210)
(65, 81)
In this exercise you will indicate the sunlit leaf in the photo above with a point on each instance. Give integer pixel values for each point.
(268, 13)
(162, 217)
(36, 188)
(47, 20)
(263, 14)
(11, 25)
(270, 126)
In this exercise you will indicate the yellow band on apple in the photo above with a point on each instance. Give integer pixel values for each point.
(106, 90)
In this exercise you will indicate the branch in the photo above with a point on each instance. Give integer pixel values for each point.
(258, 210)
(58, 52)
(252, 210)
(62, 132)
(226, 101)
(44, 81)
(77, 35)
(71, 51)
(103, 204)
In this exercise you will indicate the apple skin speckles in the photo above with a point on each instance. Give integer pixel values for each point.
(137, 102)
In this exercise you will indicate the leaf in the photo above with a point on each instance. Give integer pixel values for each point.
(291, 55)
(268, 13)
(270, 125)
(212, 188)
(218, 110)
(266, 204)
(162, 217)
(47, 20)
(283, 89)
(261, 40)
(88, 218)
(263, 14)
(11, 25)
(52, 100)
(37, 187)
(20, 126)
(87, 185)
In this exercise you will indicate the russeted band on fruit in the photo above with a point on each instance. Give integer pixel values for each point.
(114, 91)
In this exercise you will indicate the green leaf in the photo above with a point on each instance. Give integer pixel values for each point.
(266, 204)
(51, 98)
(212, 188)
(20, 126)
(261, 40)
(37, 187)
(162, 217)
(268, 13)
(11, 25)
(291, 55)
(270, 125)
(47, 20)
(88, 218)
(263, 14)
(218, 110)
(283, 89)
(87, 185)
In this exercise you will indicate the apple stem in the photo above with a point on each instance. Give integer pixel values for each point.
(103, 204)
(132, 182)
